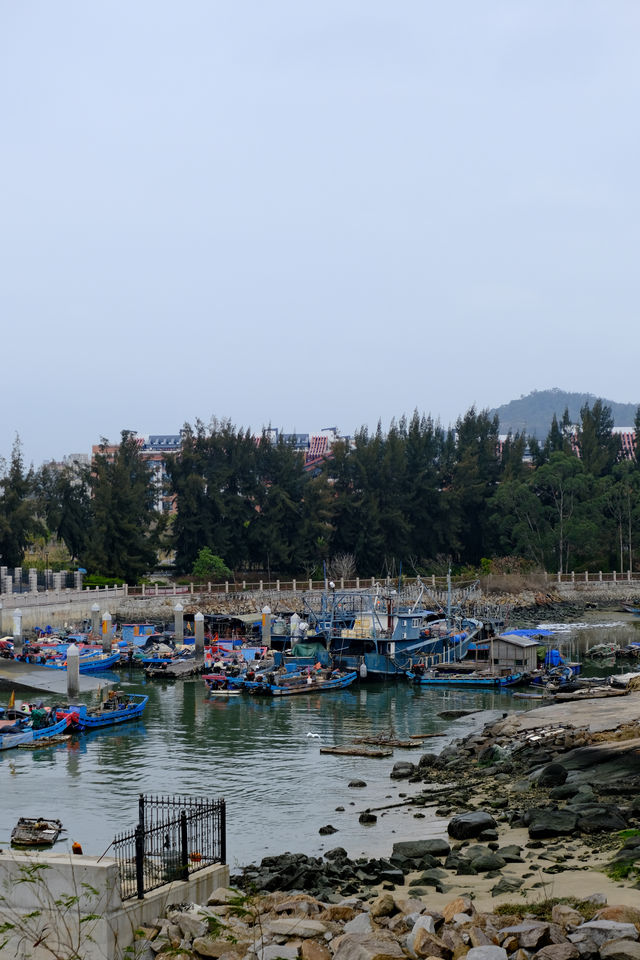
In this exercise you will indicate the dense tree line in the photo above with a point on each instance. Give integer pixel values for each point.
(416, 495)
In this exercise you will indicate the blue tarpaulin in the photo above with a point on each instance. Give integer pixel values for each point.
(528, 633)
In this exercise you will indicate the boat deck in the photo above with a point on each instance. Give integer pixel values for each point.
(32, 676)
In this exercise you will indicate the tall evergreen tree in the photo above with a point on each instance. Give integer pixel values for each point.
(19, 521)
(125, 529)
(599, 446)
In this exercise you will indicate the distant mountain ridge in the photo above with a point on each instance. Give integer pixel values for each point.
(533, 414)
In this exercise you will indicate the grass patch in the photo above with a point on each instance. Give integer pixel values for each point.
(627, 834)
(620, 869)
(543, 908)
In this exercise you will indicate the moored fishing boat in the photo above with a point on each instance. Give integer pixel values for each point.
(375, 634)
(118, 707)
(27, 728)
(87, 663)
(288, 686)
(218, 685)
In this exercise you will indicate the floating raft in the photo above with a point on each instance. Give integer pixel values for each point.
(35, 832)
(389, 742)
(355, 751)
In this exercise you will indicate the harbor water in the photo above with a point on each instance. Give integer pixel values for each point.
(263, 757)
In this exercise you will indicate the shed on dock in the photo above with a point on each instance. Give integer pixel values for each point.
(513, 654)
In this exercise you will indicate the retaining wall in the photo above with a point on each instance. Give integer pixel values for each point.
(96, 924)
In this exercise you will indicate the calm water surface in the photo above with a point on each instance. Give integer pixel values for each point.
(256, 753)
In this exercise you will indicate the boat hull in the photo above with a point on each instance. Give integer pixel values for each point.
(458, 680)
(29, 735)
(108, 717)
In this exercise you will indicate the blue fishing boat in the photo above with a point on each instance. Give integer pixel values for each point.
(88, 663)
(288, 685)
(24, 729)
(118, 707)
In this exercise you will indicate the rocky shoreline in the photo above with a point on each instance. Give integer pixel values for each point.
(543, 831)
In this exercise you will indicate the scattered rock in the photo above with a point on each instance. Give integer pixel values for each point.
(467, 825)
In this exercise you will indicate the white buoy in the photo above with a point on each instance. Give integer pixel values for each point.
(363, 670)
(73, 671)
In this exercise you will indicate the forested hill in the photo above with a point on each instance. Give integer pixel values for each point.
(533, 414)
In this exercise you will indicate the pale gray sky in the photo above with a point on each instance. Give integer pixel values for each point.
(311, 213)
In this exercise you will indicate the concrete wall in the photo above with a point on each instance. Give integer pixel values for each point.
(63, 889)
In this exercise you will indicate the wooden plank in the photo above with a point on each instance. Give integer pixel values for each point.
(354, 751)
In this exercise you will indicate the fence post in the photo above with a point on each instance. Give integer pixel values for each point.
(586, 576)
(629, 575)
(614, 576)
(600, 575)
(223, 831)
(310, 584)
(573, 577)
(293, 586)
(140, 861)
(559, 576)
(184, 851)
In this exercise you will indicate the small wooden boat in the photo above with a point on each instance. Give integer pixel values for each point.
(218, 686)
(118, 707)
(35, 832)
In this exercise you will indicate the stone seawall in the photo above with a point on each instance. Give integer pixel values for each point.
(523, 597)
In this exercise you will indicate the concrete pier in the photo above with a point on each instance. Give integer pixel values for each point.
(30, 676)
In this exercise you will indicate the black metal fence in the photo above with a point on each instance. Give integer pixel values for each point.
(175, 837)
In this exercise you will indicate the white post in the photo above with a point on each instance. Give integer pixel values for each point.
(107, 632)
(266, 627)
(73, 671)
(199, 622)
(17, 630)
(178, 622)
(95, 619)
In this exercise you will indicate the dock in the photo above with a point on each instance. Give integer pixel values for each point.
(31, 676)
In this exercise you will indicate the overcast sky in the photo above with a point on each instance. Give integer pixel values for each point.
(311, 214)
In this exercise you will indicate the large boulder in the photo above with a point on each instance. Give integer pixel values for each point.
(416, 850)
(546, 822)
(467, 825)
(553, 775)
(402, 770)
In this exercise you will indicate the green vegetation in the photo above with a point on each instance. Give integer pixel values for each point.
(207, 564)
(416, 499)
